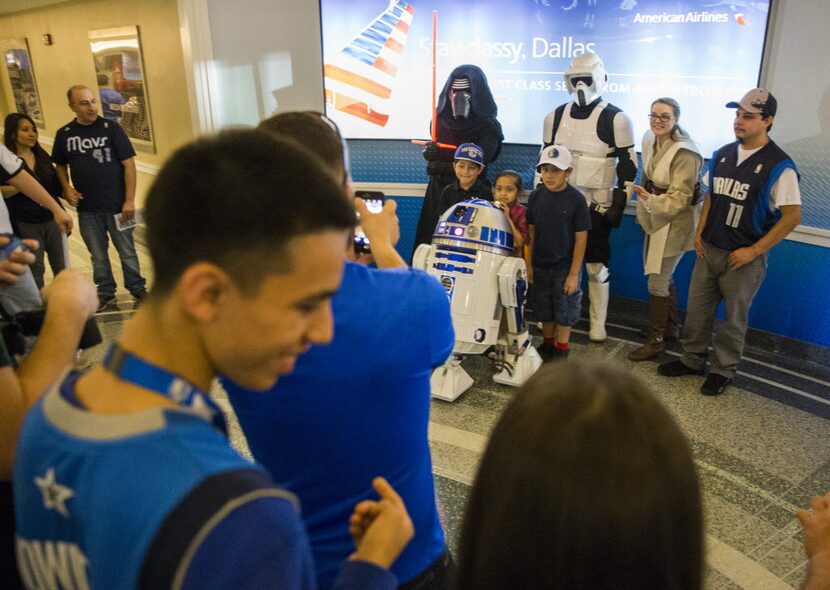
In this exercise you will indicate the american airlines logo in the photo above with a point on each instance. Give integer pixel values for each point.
(81, 145)
(681, 17)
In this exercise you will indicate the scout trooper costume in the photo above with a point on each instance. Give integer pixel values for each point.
(601, 139)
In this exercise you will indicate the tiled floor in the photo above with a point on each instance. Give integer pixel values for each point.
(759, 460)
(763, 449)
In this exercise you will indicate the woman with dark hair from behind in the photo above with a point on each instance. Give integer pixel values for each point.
(29, 219)
(587, 483)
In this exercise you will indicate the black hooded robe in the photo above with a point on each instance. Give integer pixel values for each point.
(482, 129)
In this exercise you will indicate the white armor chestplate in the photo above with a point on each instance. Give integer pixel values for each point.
(660, 173)
(594, 173)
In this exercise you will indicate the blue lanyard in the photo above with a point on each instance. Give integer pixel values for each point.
(132, 369)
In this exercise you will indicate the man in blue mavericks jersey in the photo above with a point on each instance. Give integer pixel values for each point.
(124, 477)
(753, 203)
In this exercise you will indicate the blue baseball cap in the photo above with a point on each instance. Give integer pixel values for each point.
(471, 152)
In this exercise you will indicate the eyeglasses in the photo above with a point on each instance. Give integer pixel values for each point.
(663, 118)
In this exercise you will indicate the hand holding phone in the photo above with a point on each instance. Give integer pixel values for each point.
(373, 201)
(381, 228)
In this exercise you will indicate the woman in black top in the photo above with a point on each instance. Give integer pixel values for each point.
(29, 219)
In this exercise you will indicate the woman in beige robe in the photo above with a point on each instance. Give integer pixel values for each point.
(668, 210)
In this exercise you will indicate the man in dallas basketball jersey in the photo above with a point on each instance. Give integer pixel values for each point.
(753, 203)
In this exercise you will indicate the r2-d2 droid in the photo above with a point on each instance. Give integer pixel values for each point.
(471, 255)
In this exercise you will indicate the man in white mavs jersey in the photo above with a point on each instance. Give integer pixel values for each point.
(753, 203)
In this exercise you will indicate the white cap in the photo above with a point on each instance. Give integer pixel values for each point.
(557, 155)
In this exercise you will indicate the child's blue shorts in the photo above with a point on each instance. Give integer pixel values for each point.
(549, 302)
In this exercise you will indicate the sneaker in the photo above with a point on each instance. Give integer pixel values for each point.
(715, 384)
(558, 353)
(139, 297)
(677, 368)
(547, 351)
(104, 301)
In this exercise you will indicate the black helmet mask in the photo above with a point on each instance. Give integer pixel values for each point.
(460, 98)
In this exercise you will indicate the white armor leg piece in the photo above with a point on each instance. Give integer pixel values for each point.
(598, 293)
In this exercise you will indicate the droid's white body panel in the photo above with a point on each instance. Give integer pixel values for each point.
(470, 255)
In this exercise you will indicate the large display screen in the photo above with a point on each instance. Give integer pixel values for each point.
(378, 59)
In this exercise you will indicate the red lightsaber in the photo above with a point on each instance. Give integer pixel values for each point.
(434, 90)
(434, 73)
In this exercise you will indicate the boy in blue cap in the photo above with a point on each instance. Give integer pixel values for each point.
(468, 164)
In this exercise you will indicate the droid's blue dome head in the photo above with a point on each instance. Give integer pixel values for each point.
(472, 226)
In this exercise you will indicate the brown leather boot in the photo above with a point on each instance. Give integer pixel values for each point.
(658, 311)
(673, 323)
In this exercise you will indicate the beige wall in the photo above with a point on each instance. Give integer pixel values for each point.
(69, 61)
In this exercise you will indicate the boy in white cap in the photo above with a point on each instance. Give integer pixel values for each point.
(468, 164)
(558, 221)
(753, 203)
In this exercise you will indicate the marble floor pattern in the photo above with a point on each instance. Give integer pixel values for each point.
(761, 455)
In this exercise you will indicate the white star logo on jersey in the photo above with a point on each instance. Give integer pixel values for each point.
(54, 494)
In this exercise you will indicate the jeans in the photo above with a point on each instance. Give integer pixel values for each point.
(713, 281)
(51, 242)
(94, 229)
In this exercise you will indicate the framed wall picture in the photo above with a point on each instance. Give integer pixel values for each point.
(122, 83)
(22, 79)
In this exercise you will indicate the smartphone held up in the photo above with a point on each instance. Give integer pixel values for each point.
(374, 203)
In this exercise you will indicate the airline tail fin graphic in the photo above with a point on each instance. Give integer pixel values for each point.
(359, 78)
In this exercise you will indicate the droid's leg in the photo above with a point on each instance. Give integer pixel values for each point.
(518, 359)
(450, 380)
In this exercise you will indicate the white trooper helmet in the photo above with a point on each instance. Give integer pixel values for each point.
(586, 78)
